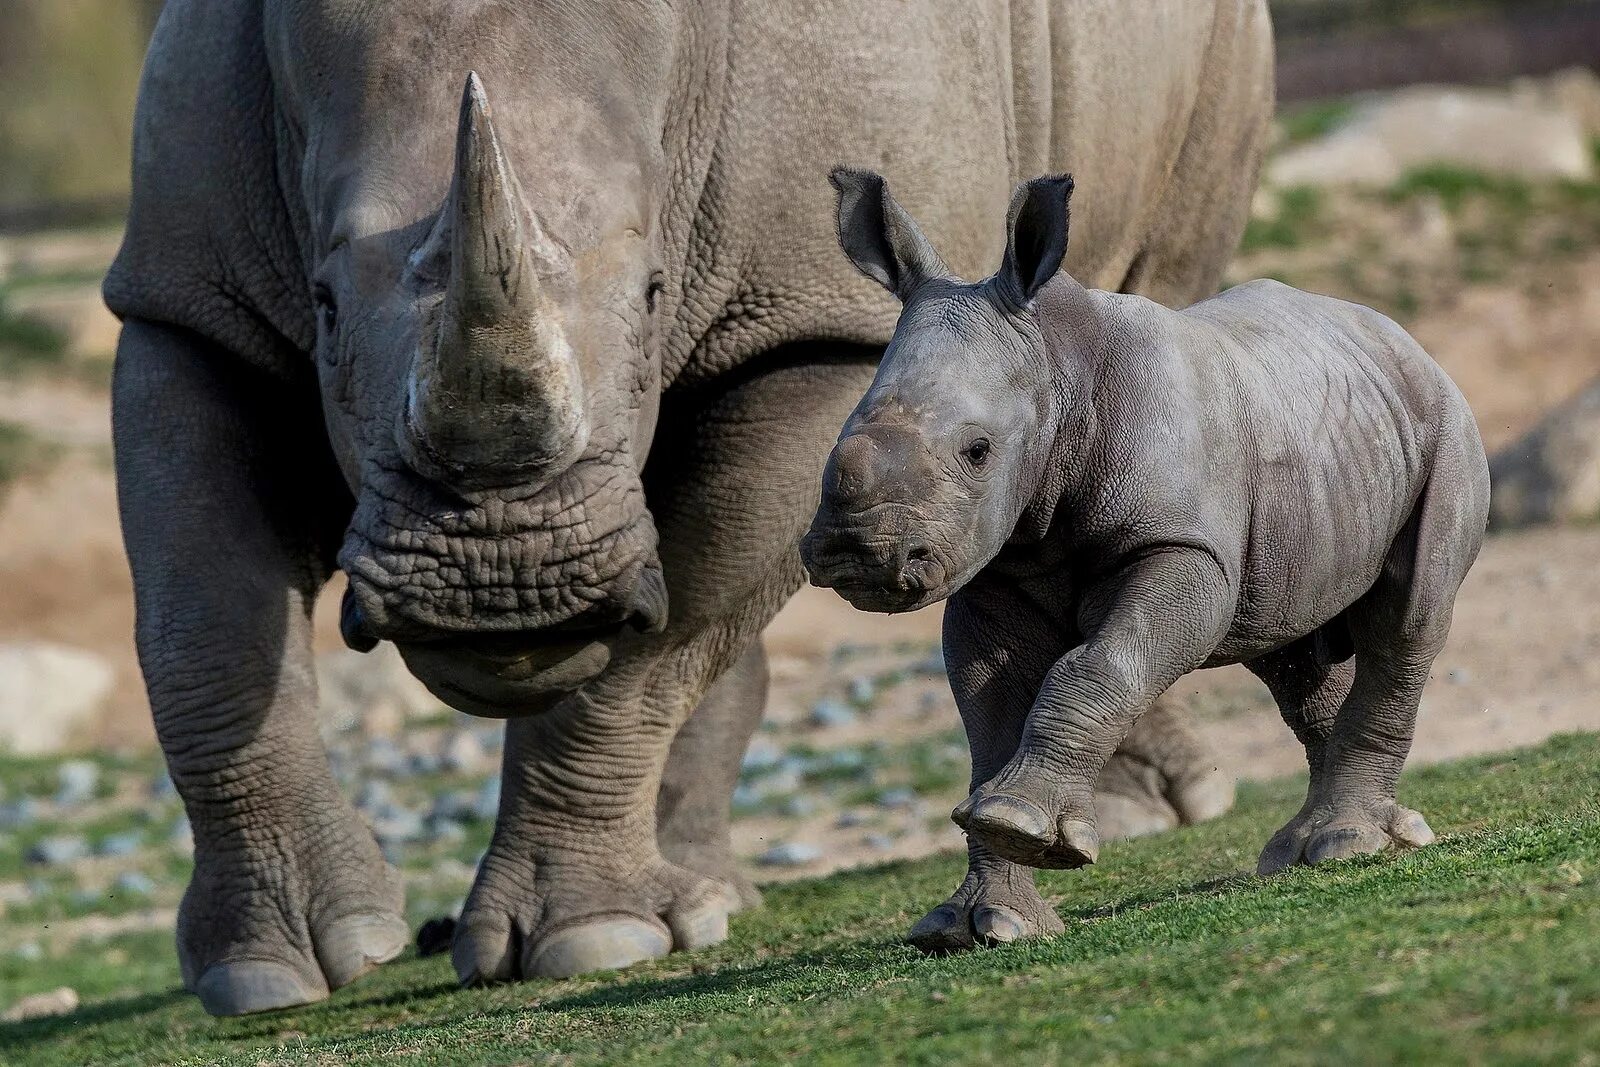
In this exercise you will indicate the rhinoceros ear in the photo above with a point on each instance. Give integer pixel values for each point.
(880, 237)
(1036, 234)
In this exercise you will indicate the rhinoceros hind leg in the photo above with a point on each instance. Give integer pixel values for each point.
(692, 807)
(1164, 775)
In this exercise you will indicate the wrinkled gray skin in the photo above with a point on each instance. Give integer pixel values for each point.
(1112, 494)
(550, 368)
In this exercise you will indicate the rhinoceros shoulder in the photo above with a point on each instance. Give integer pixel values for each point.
(210, 245)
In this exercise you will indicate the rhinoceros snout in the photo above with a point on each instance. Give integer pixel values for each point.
(874, 571)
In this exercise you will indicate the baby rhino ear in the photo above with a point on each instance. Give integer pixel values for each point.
(880, 237)
(1036, 234)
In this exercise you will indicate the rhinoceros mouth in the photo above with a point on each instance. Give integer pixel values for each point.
(502, 685)
(425, 565)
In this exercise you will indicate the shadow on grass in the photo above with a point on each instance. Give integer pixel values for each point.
(1208, 887)
(119, 1010)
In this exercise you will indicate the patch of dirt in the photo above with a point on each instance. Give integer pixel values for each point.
(1518, 350)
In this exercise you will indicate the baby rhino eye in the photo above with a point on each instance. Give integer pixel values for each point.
(978, 451)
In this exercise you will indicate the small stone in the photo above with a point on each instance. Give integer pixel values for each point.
(790, 854)
(929, 704)
(134, 883)
(75, 782)
(446, 831)
(863, 689)
(123, 844)
(845, 759)
(181, 836)
(878, 842)
(899, 797)
(786, 779)
(435, 935)
(1459, 676)
(487, 806)
(424, 763)
(849, 819)
(761, 755)
(373, 795)
(455, 805)
(63, 1001)
(396, 824)
(29, 952)
(932, 664)
(384, 757)
(462, 753)
(826, 714)
(58, 850)
(19, 813)
(799, 805)
(162, 787)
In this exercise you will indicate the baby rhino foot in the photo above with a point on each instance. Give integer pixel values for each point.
(528, 920)
(1018, 829)
(1337, 831)
(276, 924)
(990, 908)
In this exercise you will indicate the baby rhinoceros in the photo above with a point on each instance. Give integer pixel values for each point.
(1112, 494)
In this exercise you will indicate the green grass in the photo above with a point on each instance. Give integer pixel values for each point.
(1307, 122)
(1482, 948)
(1297, 221)
(20, 453)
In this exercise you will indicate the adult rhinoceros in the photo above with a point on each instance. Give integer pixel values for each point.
(536, 374)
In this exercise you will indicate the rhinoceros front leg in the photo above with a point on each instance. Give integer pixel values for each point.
(999, 648)
(574, 879)
(218, 470)
(1145, 628)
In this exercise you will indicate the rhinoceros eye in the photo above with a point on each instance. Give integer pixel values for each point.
(327, 310)
(977, 452)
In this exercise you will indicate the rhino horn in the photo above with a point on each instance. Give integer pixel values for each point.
(496, 395)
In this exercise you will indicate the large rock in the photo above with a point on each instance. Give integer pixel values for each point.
(1553, 473)
(1575, 90)
(48, 695)
(1475, 129)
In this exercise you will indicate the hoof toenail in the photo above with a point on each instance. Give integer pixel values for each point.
(1011, 817)
(999, 925)
(1080, 838)
(244, 987)
(598, 946)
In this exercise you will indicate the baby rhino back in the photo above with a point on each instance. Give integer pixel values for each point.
(1342, 415)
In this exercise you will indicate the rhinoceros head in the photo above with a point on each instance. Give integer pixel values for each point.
(486, 282)
(940, 460)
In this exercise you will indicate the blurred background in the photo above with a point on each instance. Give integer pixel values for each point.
(1436, 159)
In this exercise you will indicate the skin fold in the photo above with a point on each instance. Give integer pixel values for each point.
(527, 315)
(1112, 494)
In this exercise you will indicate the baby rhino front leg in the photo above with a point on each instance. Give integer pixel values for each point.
(1146, 627)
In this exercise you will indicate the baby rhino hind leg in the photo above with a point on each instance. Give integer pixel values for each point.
(1397, 630)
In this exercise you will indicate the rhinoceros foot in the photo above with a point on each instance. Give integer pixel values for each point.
(1022, 831)
(1339, 829)
(995, 905)
(276, 924)
(1134, 798)
(530, 920)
